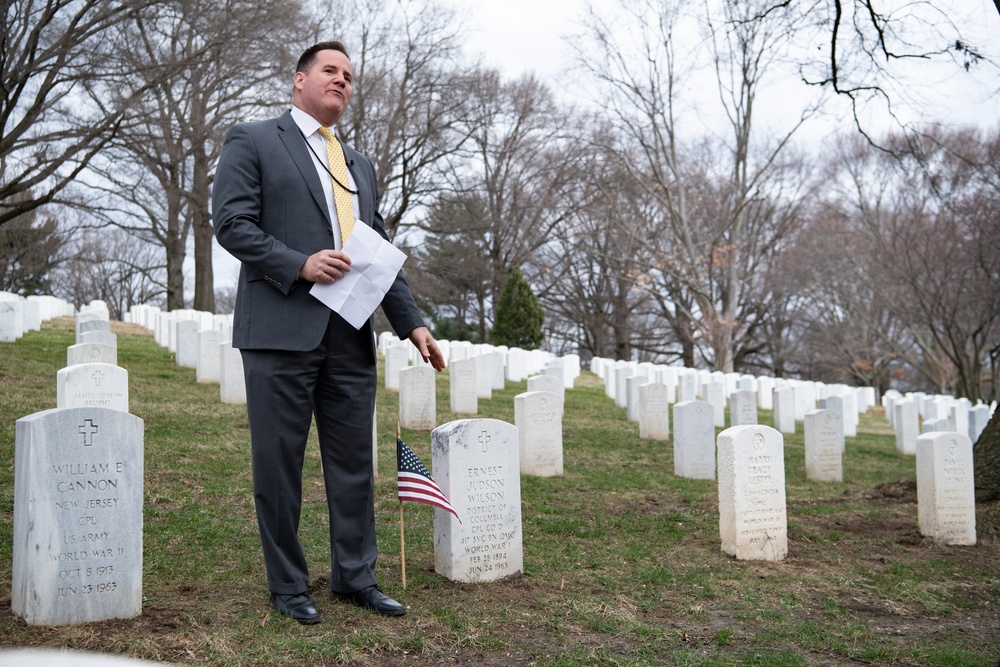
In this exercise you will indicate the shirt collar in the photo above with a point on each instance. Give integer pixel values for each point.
(307, 124)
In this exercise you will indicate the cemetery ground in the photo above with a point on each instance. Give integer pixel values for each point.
(622, 560)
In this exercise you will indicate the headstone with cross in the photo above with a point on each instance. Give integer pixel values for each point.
(77, 549)
(94, 385)
(475, 462)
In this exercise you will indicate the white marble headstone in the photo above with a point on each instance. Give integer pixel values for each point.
(687, 387)
(940, 424)
(551, 384)
(824, 443)
(694, 440)
(715, 395)
(462, 388)
(959, 416)
(486, 367)
(906, 422)
(753, 522)
(94, 385)
(654, 411)
(621, 375)
(396, 359)
(208, 366)
(78, 483)
(805, 398)
(743, 407)
(517, 364)
(538, 417)
(90, 322)
(85, 353)
(417, 398)
(946, 500)
(475, 462)
(632, 386)
(232, 381)
(784, 410)
(187, 343)
(979, 417)
(11, 320)
(104, 336)
(62, 658)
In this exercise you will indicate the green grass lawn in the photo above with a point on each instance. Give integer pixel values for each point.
(622, 560)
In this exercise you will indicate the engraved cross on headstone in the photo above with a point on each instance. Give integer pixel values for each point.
(484, 438)
(97, 375)
(87, 429)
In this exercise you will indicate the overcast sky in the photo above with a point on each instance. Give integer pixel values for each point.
(518, 36)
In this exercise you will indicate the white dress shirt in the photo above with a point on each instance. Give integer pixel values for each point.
(309, 127)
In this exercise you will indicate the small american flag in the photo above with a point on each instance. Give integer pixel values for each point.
(414, 482)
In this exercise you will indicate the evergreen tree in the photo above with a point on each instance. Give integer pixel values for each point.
(519, 316)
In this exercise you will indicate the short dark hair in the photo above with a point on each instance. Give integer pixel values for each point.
(308, 56)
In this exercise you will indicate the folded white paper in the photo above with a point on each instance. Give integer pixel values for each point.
(374, 265)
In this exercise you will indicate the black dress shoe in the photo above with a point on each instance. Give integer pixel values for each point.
(373, 599)
(299, 606)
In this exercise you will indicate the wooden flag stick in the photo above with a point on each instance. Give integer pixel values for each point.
(402, 532)
(402, 543)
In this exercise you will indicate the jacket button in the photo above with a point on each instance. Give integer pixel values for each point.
(329, 231)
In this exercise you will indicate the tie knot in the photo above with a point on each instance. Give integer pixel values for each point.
(327, 133)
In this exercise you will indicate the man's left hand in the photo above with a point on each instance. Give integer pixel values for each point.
(429, 350)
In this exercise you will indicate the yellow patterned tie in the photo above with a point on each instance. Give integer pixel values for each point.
(341, 195)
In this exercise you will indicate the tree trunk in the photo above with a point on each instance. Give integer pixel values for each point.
(175, 275)
(986, 461)
(200, 203)
(986, 469)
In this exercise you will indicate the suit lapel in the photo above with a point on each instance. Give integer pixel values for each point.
(290, 135)
(364, 185)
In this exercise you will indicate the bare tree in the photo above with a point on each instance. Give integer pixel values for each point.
(226, 62)
(593, 274)
(409, 101)
(839, 323)
(30, 246)
(520, 168)
(927, 212)
(63, 94)
(717, 199)
(112, 266)
(873, 47)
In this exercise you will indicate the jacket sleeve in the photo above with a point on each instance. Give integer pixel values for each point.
(236, 214)
(398, 304)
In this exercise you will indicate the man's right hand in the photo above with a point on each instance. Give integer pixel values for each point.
(325, 267)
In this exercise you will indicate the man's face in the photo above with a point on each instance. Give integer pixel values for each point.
(324, 91)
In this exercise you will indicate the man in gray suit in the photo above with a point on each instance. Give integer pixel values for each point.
(274, 208)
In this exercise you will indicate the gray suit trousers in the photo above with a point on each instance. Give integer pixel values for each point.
(336, 382)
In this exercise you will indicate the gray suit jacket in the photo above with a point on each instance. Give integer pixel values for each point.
(269, 212)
